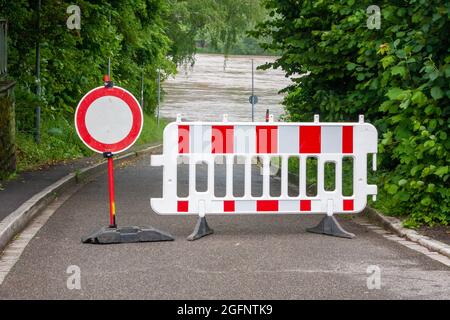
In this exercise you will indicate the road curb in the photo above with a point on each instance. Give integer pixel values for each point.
(16, 221)
(395, 225)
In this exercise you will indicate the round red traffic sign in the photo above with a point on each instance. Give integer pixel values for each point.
(108, 119)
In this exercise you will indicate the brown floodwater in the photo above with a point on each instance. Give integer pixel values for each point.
(206, 91)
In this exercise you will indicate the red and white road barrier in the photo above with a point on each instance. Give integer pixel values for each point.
(327, 142)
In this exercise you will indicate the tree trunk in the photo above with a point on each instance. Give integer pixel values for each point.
(7, 129)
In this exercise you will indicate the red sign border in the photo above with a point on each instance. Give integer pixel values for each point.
(86, 102)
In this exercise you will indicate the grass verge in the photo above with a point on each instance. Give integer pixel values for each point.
(60, 142)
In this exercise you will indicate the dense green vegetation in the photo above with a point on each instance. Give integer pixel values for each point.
(139, 36)
(60, 142)
(73, 62)
(215, 26)
(235, 18)
(398, 76)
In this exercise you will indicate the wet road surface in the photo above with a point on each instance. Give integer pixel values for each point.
(248, 257)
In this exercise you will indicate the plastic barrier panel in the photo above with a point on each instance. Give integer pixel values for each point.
(194, 143)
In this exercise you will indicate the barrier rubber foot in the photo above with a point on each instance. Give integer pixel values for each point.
(201, 229)
(330, 226)
(109, 235)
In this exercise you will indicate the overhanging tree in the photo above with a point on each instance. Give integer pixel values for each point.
(398, 76)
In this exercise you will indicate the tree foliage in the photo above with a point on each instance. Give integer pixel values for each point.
(73, 61)
(140, 37)
(220, 23)
(187, 19)
(398, 76)
(236, 17)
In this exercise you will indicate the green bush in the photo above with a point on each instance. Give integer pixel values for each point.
(151, 132)
(398, 76)
(74, 61)
(59, 142)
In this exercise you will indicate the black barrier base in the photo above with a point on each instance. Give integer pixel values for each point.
(108, 235)
(330, 226)
(201, 229)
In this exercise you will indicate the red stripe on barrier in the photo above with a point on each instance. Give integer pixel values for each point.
(183, 139)
(267, 205)
(348, 205)
(222, 139)
(347, 139)
(228, 206)
(305, 205)
(266, 139)
(309, 139)
(183, 206)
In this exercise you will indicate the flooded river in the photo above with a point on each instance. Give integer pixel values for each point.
(206, 91)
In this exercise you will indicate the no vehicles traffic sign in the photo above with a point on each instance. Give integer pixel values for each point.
(108, 119)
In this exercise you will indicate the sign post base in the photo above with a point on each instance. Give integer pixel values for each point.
(201, 229)
(108, 235)
(330, 226)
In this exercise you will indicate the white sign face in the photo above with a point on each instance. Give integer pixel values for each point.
(108, 119)
(106, 124)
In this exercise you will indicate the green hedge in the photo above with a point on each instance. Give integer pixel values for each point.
(60, 142)
(398, 76)
(74, 61)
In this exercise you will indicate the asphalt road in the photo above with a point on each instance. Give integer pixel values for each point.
(248, 257)
(17, 191)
